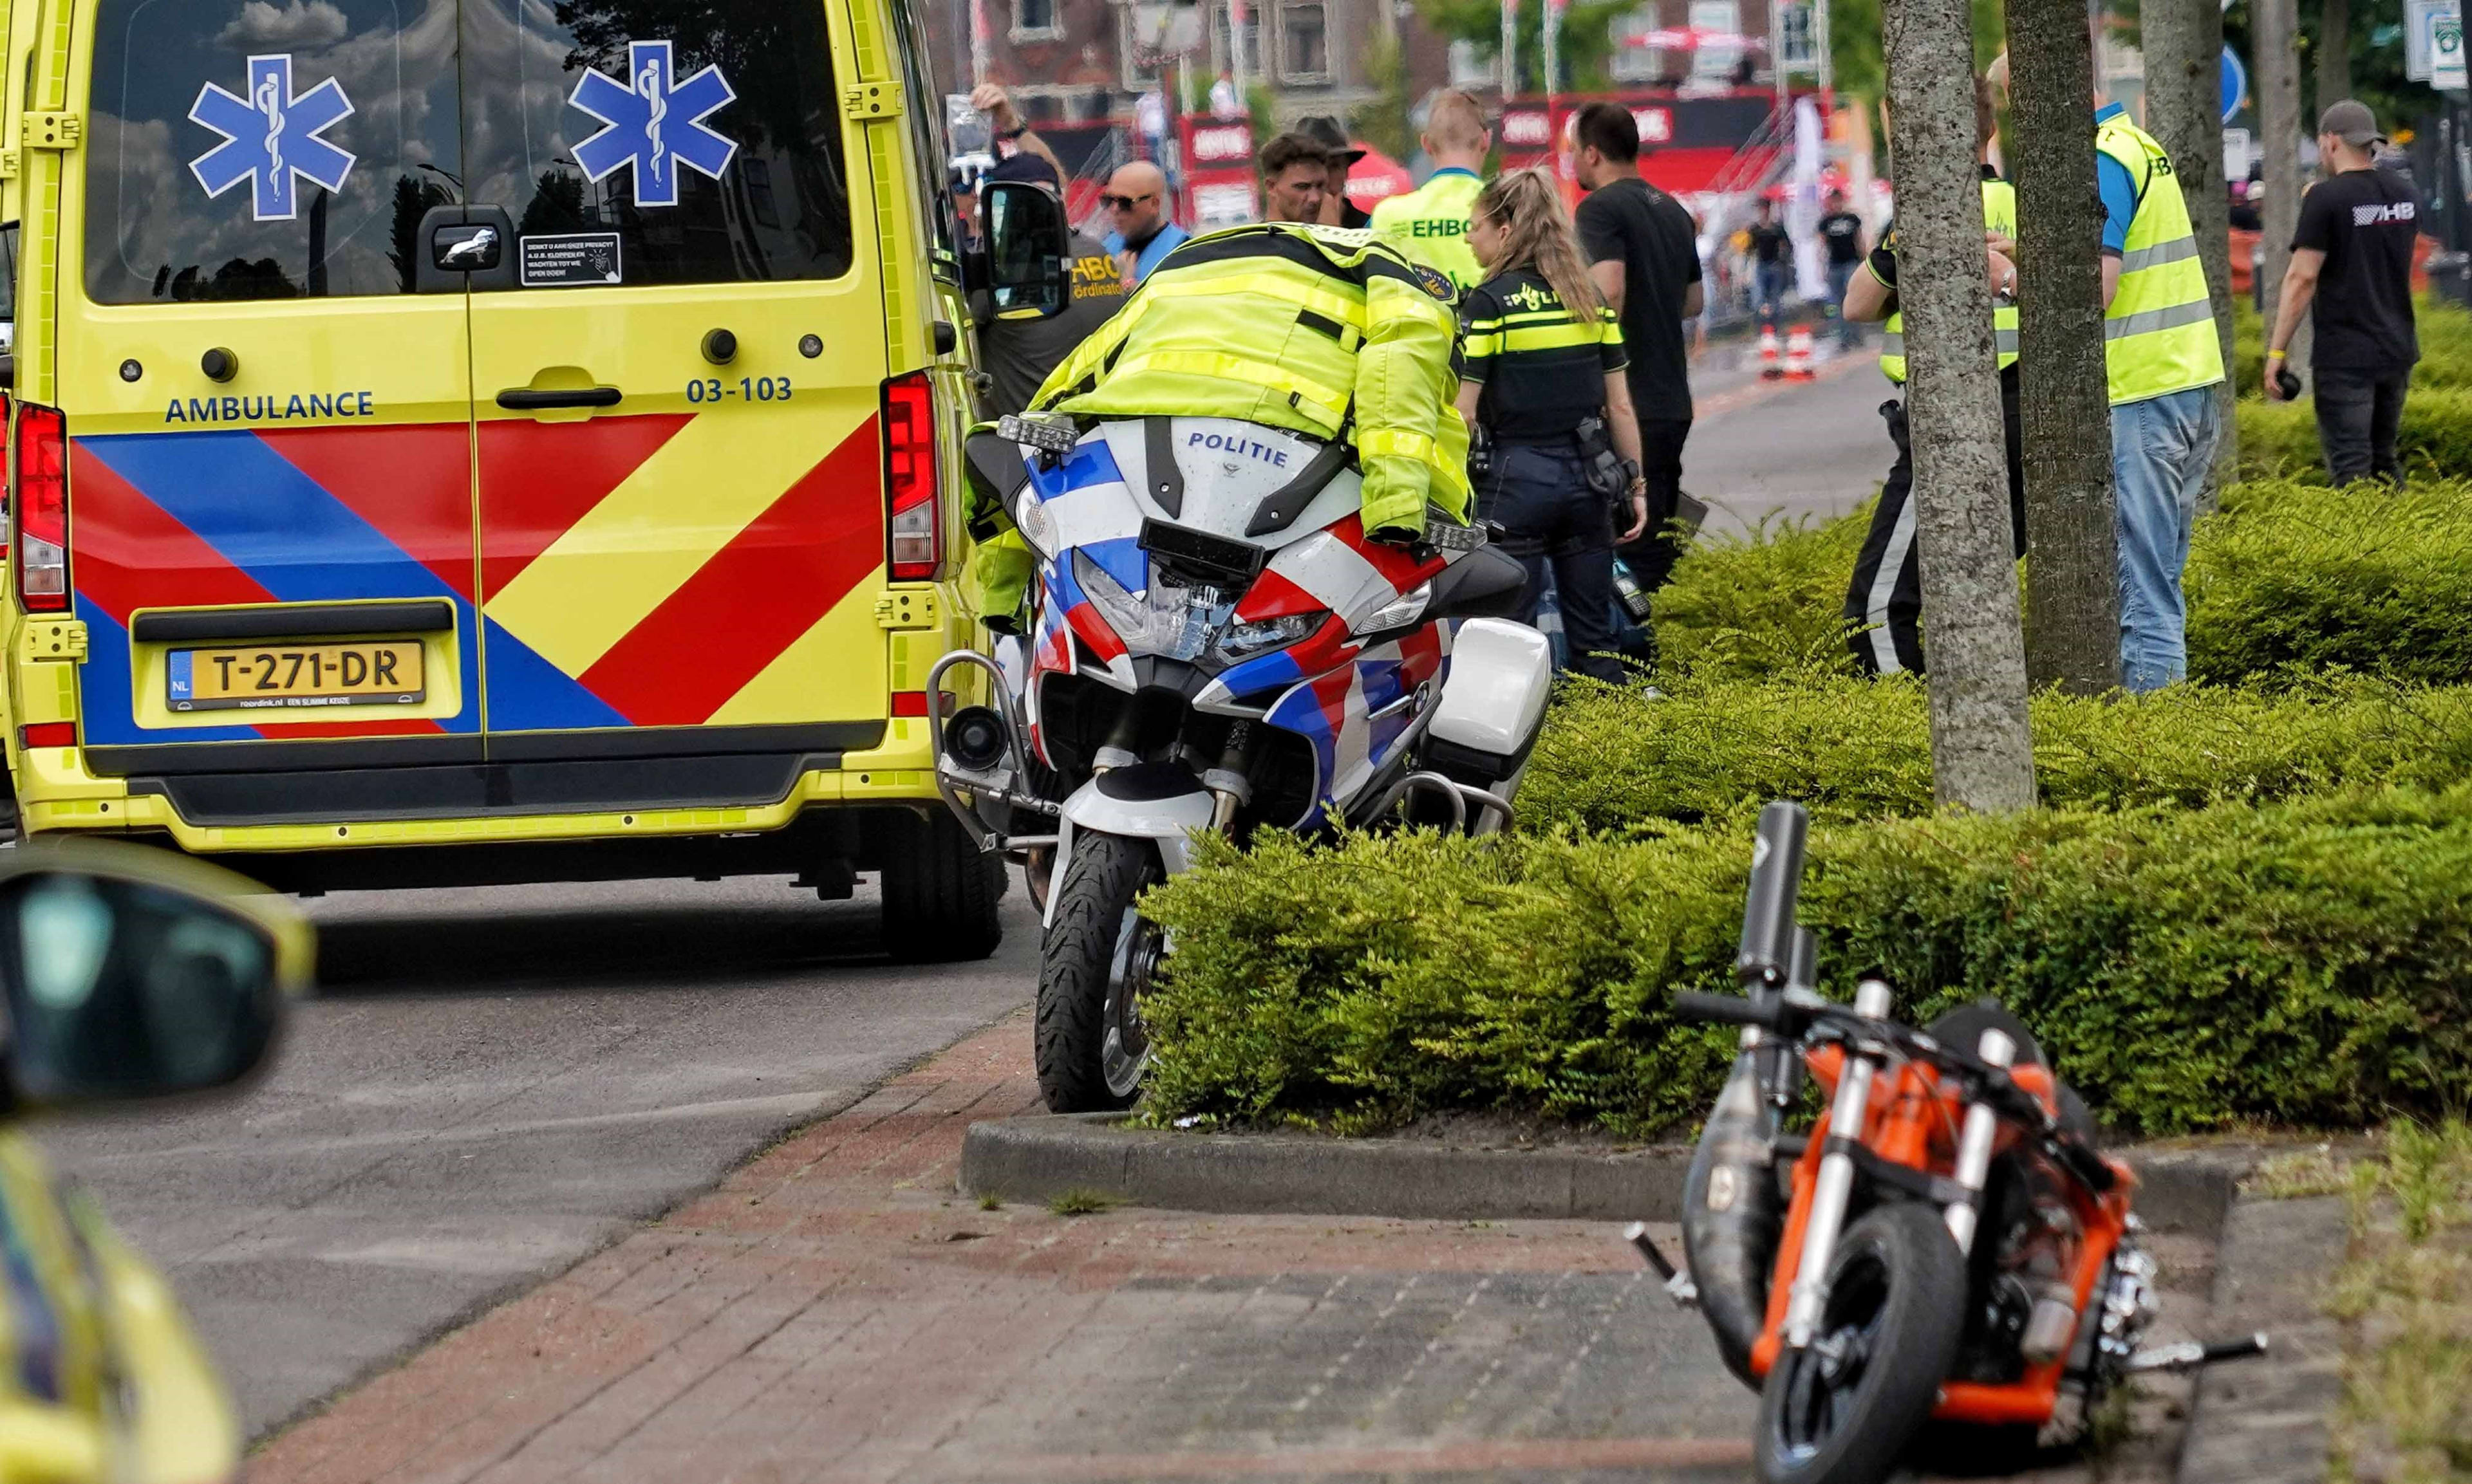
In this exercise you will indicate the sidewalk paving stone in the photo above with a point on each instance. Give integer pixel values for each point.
(834, 1311)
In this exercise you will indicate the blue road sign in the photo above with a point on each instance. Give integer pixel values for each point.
(2235, 85)
(654, 123)
(271, 137)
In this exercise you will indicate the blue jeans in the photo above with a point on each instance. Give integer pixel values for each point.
(1840, 274)
(2161, 449)
(1769, 279)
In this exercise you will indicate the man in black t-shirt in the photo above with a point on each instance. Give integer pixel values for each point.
(2351, 268)
(1647, 265)
(1840, 232)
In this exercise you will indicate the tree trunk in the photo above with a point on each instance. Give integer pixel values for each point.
(2333, 51)
(2279, 132)
(1982, 754)
(2183, 41)
(2072, 572)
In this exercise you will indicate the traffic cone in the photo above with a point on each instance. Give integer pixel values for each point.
(1770, 370)
(1797, 354)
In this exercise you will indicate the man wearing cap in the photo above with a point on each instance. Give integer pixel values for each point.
(1018, 350)
(1336, 210)
(1430, 223)
(2351, 272)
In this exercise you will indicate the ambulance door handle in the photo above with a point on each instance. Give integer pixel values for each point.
(525, 399)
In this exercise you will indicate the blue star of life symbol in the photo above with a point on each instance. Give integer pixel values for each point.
(271, 138)
(654, 123)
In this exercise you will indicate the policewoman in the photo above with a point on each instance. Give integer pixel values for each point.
(1543, 390)
(1883, 602)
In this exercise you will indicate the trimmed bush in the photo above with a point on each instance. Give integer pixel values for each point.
(2297, 579)
(2305, 963)
(2288, 573)
(2445, 345)
(2280, 438)
(1614, 759)
(1759, 604)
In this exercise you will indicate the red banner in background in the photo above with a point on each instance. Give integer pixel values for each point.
(1219, 188)
(1684, 142)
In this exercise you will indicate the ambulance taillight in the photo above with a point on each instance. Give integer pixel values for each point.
(915, 524)
(40, 495)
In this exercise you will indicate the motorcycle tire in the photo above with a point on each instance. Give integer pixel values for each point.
(1897, 1307)
(1094, 961)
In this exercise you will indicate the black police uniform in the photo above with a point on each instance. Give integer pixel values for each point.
(1544, 375)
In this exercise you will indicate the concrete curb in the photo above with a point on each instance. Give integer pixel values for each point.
(2264, 1421)
(1039, 1158)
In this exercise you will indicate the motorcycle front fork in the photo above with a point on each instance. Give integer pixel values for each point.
(1833, 1190)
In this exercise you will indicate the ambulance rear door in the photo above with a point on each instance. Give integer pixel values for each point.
(678, 384)
(268, 423)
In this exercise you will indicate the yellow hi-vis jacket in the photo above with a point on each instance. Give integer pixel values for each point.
(2159, 333)
(1999, 215)
(1429, 225)
(1320, 330)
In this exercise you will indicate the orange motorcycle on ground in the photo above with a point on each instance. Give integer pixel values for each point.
(1946, 1249)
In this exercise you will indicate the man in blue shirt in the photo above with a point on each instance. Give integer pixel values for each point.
(2163, 362)
(1136, 198)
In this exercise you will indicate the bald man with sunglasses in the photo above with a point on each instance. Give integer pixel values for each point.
(1136, 201)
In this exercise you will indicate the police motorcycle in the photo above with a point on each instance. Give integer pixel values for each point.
(1213, 643)
(1945, 1259)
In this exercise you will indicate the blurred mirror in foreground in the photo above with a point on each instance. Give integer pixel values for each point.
(131, 974)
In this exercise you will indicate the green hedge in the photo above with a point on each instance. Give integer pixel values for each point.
(2303, 963)
(2289, 573)
(2435, 441)
(2297, 579)
(1742, 605)
(1613, 759)
(2445, 345)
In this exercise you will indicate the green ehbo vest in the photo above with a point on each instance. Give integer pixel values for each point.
(2159, 333)
(1999, 215)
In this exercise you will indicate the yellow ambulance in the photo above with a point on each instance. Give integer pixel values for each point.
(478, 440)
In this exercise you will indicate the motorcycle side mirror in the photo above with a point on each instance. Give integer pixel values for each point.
(1029, 249)
(129, 976)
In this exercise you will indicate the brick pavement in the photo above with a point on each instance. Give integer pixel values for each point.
(833, 1311)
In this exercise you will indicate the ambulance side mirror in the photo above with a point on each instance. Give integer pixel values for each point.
(1029, 245)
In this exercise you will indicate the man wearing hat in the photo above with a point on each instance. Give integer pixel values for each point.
(2351, 272)
(1336, 210)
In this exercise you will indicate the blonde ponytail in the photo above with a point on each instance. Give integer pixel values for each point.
(1537, 236)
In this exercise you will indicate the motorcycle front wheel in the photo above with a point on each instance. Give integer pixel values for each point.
(1095, 962)
(1843, 1409)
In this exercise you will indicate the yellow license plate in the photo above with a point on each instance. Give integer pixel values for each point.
(384, 673)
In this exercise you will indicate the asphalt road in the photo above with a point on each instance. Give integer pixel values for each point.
(1786, 452)
(491, 1084)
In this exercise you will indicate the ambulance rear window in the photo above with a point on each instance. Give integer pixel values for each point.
(278, 148)
(703, 142)
(265, 149)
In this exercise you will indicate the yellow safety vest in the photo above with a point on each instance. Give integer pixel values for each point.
(1999, 215)
(1429, 225)
(2159, 333)
(1319, 329)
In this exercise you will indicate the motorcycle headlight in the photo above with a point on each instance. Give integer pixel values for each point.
(1166, 620)
(1239, 641)
(1037, 528)
(1399, 612)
